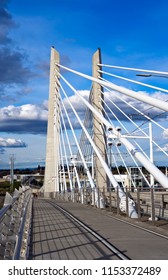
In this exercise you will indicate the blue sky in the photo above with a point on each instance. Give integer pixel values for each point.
(130, 33)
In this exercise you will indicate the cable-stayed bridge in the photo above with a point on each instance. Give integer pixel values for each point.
(110, 123)
(106, 149)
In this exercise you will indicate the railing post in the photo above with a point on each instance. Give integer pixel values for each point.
(110, 206)
(118, 202)
(138, 203)
(152, 205)
(98, 197)
(83, 194)
(94, 204)
(127, 209)
(104, 196)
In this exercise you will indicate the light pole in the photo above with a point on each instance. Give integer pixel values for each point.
(113, 137)
(110, 159)
(109, 143)
(151, 75)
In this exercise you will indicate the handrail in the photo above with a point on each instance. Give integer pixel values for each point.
(3, 211)
(15, 219)
(5, 208)
(18, 246)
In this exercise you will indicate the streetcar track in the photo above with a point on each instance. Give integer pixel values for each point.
(101, 239)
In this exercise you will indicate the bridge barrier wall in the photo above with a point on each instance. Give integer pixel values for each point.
(15, 219)
(150, 203)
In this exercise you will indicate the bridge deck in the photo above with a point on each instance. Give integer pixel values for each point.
(55, 237)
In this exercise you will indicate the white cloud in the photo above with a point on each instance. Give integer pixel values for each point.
(33, 118)
(165, 148)
(40, 112)
(76, 100)
(11, 142)
(165, 134)
(24, 112)
(114, 99)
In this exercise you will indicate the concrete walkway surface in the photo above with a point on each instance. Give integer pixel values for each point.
(56, 237)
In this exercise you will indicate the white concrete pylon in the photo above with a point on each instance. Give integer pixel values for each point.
(51, 181)
(99, 137)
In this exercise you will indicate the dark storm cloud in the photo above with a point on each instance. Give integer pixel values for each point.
(65, 60)
(4, 3)
(44, 66)
(24, 126)
(12, 70)
(5, 18)
(6, 22)
(2, 151)
(12, 62)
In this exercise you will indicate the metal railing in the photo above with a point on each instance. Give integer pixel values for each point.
(15, 221)
(151, 203)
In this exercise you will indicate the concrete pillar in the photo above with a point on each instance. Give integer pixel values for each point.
(98, 126)
(51, 181)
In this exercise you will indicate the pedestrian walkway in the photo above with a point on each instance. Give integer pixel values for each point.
(55, 237)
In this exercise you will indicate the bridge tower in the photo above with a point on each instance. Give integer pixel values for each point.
(51, 182)
(98, 127)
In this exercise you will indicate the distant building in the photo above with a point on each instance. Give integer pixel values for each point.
(20, 177)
